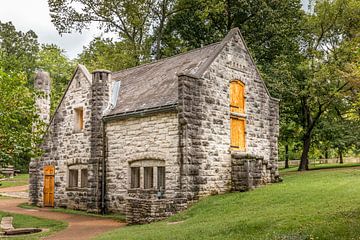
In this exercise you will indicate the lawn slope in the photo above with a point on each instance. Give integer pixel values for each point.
(322, 204)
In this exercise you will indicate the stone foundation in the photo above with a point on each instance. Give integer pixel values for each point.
(139, 211)
(250, 171)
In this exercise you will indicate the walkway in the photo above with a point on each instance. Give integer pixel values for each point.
(79, 227)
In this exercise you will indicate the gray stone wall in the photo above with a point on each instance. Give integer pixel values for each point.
(205, 121)
(250, 171)
(148, 138)
(63, 146)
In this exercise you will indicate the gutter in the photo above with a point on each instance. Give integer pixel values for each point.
(103, 169)
(141, 113)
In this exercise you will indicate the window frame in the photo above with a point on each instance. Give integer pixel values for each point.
(144, 169)
(81, 183)
(72, 183)
(135, 174)
(148, 177)
(79, 119)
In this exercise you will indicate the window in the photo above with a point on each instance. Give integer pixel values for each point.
(79, 119)
(84, 178)
(148, 177)
(237, 117)
(78, 176)
(147, 174)
(73, 178)
(135, 177)
(161, 178)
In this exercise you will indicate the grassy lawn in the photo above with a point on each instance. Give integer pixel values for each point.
(23, 221)
(18, 180)
(312, 205)
(320, 166)
(114, 216)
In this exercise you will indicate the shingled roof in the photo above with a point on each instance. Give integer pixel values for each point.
(155, 84)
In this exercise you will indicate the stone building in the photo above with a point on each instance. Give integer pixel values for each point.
(149, 140)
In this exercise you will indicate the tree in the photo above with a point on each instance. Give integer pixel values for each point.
(107, 54)
(270, 28)
(128, 18)
(18, 50)
(17, 116)
(329, 42)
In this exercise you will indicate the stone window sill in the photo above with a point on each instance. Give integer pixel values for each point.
(76, 189)
(141, 190)
(78, 131)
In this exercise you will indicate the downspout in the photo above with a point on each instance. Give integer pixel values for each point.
(103, 169)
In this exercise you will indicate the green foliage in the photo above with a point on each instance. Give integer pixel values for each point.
(329, 211)
(20, 56)
(17, 116)
(269, 27)
(52, 60)
(107, 54)
(18, 50)
(128, 18)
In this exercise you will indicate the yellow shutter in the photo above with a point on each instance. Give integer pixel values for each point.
(237, 133)
(237, 97)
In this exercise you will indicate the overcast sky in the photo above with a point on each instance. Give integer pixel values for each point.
(34, 15)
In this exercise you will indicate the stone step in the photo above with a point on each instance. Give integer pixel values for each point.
(19, 231)
(6, 223)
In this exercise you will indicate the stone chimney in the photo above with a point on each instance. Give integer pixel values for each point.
(101, 81)
(43, 86)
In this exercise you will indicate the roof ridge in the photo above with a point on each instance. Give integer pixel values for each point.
(167, 58)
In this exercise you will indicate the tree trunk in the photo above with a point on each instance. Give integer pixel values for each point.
(304, 161)
(341, 156)
(286, 156)
(326, 153)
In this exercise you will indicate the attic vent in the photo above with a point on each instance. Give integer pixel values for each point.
(115, 93)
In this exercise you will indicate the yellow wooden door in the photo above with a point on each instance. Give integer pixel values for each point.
(237, 132)
(49, 186)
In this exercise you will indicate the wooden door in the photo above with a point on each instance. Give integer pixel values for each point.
(49, 186)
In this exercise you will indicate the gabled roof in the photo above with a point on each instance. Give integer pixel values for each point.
(154, 85)
(88, 77)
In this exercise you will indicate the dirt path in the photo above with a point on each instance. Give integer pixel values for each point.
(80, 227)
(14, 189)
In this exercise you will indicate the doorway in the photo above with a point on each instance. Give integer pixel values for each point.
(49, 185)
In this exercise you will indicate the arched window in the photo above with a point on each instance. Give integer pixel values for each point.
(237, 115)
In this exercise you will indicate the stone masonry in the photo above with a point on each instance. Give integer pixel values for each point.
(173, 114)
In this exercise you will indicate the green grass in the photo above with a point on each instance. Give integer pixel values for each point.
(18, 180)
(311, 205)
(321, 166)
(113, 216)
(24, 221)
